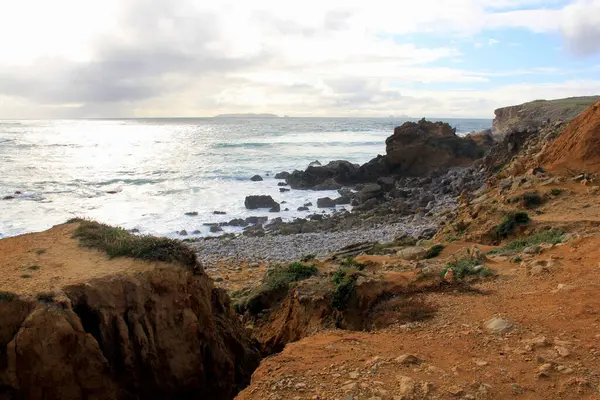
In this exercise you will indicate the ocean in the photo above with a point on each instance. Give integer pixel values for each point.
(146, 174)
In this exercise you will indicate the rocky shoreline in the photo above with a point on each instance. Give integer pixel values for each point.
(404, 193)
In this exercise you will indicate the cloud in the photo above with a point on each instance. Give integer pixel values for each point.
(581, 27)
(192, 57)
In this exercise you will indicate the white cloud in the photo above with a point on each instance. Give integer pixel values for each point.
(193, 57)
(581, 26)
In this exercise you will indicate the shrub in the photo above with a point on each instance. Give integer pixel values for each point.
(117, 242)
(344, 280)
(40, 252)
(350, 262)
(7, 296)
(465, 267)
(275, 284)
(34, 268)
(532, 200)
(510, 222)
(434, 251)
(551, 236)
(556, 192)
(26, 276)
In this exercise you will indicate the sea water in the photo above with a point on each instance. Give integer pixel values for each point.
(146, 174)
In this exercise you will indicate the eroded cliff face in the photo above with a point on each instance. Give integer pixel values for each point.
(529, 117)
(166, 332)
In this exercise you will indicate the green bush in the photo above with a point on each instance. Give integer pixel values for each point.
(273, 286)
(34, 268)
(463, 268)
(556, 192)
(551, 236)
(117, 242)
(7, 296)
(434, 251)
(532, 200)
(509, 223)
(344, 280)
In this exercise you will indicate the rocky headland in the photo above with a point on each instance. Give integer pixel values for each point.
(463, 268)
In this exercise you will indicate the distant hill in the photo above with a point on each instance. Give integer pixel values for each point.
(248, 115)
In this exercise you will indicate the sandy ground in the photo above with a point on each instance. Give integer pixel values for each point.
(50, 260)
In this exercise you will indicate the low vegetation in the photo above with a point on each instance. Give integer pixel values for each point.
(532, 200)
(7, 296)
(117, 242)
(274, 285)
(556, 192)
(34, 268)
(550, 236)
(509, 223)
(434, 251)
(465, 267)
(26, 276)
(380, 248)
(344, 280)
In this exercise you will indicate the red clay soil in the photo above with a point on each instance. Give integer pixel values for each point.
(578, 147)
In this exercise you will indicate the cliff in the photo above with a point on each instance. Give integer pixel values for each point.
(533, 115)
(76, 324)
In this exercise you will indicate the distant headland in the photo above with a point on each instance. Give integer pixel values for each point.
(247, 115)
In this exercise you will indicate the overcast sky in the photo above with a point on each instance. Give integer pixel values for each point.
(161, 58)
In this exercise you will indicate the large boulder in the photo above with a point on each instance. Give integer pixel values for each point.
(336, 172)
(254, 202)
(417, 148)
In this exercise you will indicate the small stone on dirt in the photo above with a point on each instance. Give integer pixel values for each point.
(408, 359)
(498, 325)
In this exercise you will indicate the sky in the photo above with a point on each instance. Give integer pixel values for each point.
(194, 58)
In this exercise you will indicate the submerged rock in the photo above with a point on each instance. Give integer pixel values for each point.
(256, 178)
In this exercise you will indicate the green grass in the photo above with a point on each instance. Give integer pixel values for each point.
(434, 251)
(550, 236)
(509, 223)
(463, 268)
(350, 262)
(26, 276)
(117, 242)
(275, 284)
(34, 268)
(344, 280)
(7, 296)
(556, 192)
(378, 248)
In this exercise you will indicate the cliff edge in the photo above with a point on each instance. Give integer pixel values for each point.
(90, 311)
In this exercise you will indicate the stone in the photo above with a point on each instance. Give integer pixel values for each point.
(309, 204)
(343, 200)
(315, 163)
(215, 229)
(282, 175)
(283, 190)
(256, 178)
(498, 326)
(282, 184)
(562, 351)
(532, 250)
(408, 359)
(192, 214)
(412, 253)
(406, 387)
(321, 177)
(254, 202)
(219, 213)
(303, 209)
(8, 197)
(325, 202)
(183, 233)
(349, 387)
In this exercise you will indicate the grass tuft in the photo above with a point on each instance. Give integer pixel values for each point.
(26, 276)
(274, 285)
(434, 251)
(34, 268)
(510, 222)
(550, 236)
(117, 242)
(344, 280)
(7, 296)
(40, 252)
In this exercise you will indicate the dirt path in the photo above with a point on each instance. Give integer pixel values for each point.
(552, 351)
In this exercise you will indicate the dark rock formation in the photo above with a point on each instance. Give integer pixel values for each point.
(325, 202)
(256, 178)
(254, 202)
(336, 173)
(282, 175)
